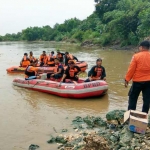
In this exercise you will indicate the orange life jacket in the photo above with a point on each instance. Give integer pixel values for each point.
(43, 58)
(50, 60)
(72, 72)
(25, 61)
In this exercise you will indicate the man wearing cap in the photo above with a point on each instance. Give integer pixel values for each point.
(50, 59)
(97, 72)
(60, 56)
(25, 61)
(139, 72)
(72, 72)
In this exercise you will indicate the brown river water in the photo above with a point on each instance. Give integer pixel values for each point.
(29, 117)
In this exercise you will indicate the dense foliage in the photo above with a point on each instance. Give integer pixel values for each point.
(124, 22)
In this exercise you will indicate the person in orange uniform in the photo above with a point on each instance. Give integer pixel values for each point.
(60, 56)
(43, 59)
(31, 72)
(139, 73)
(69, 57)
(25, 61)
(60, 70)
(72, 72)
(32, 58)
(50, 59)
(97, 72)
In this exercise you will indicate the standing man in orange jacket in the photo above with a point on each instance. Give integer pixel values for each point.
(139, 72)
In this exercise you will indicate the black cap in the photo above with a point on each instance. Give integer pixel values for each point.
(52, 52)
(44, 52)
(99, 59)
(145, 44)
(25, 54)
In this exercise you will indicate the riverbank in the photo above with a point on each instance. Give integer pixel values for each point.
(96, 133)
(86, 45)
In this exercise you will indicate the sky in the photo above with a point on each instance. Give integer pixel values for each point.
(16, 15)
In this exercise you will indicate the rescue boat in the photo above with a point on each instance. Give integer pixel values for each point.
(17, 69)
(68, 90)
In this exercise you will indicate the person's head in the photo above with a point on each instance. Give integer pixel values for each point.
(66, 53)
(58, 51)
(57, 61)
(25, 54)
(71, 64)
(31, 53)
(145, 45)
(44, 53)
(99, 62)
(52, 52)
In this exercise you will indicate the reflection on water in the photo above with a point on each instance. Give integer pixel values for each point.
(29, 116)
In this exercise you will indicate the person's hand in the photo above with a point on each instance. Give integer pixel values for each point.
(90, 78)
(126, 83)
(52, 75)
(60, 83)
(77, 76)
(74, 82)
(104, 78)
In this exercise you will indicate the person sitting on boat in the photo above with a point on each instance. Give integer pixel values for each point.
(60, 56)
(72, 73)
(50, 59)
(97, 72)
(31, 72)
(25, 61)
(60, 70)
(43, 59)
(69, 57)
(32, 58)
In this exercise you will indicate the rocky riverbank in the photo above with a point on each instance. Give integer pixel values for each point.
(95, 133)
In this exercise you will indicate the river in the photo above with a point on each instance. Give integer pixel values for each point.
(29, 117)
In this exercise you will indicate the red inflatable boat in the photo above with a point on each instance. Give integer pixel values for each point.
(17, 69)
(68, 90)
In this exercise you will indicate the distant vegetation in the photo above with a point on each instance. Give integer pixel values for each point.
(124, 22)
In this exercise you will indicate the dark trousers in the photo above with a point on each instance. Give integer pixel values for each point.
(87, 80)
(134, 92)
(56, 76)
(41, 64)
(70, 78)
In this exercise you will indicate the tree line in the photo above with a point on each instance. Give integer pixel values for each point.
(124, 22)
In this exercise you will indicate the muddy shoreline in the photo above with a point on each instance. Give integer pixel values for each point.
(96, 133)
(88, 44)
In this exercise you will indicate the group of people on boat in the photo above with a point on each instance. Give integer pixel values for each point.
(47, 60)
(72, 72)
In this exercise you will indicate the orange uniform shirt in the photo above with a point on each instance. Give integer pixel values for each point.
(31, 69)
(139, 69)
